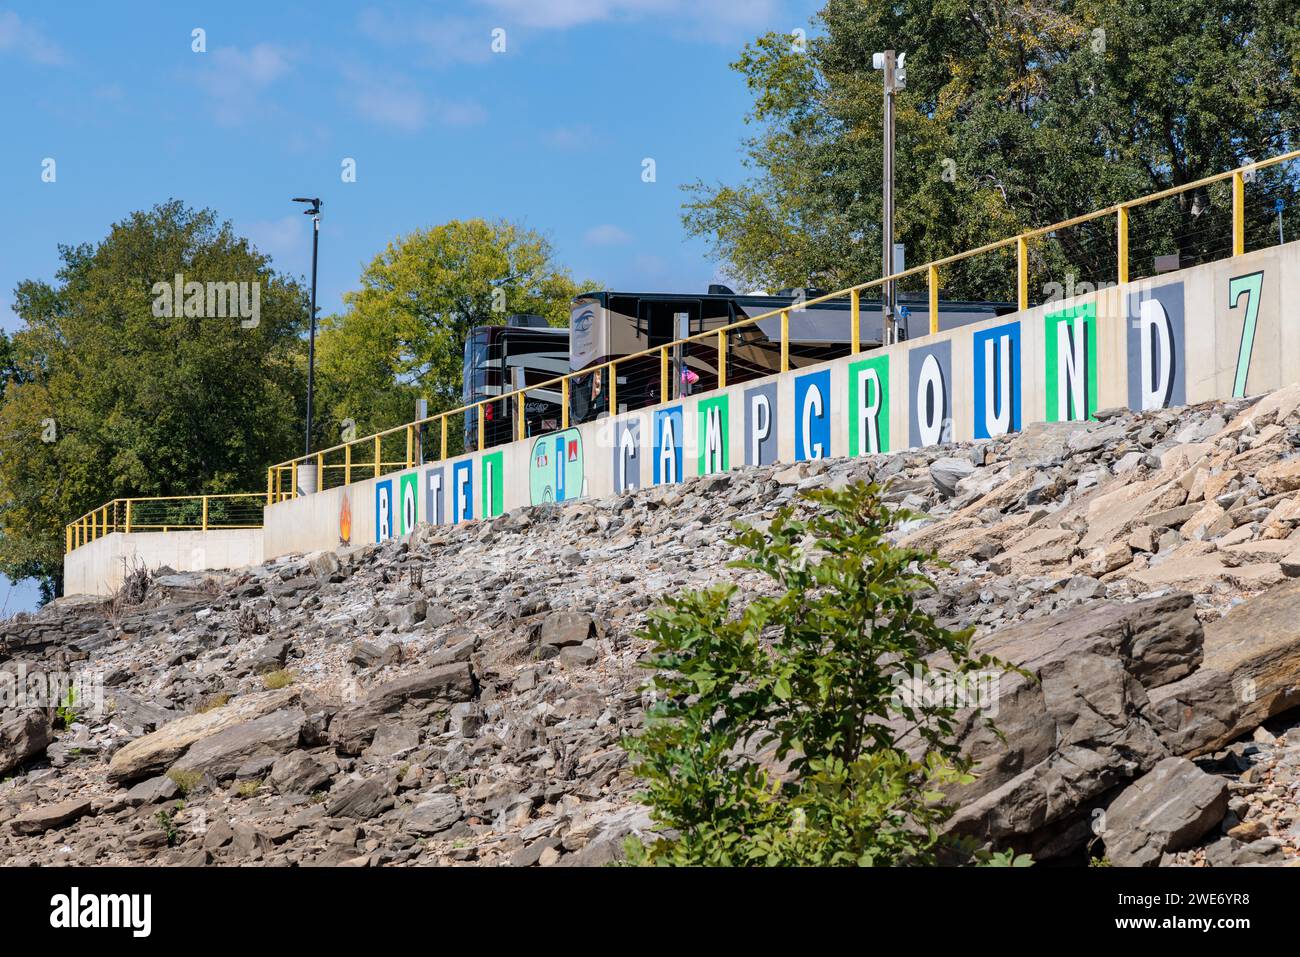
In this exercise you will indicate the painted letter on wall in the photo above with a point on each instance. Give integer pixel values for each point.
(1250, 286)
(1071, 363)
(760, 425)
(627, 455)
(997, 380)
(492, 497)
(715, 434)
(668, 446)
(812, 407)
(383, 510)
(462, 491)
(408, 496)
(869, 406)
(929, 376)
(433, 496)
(1156, 348)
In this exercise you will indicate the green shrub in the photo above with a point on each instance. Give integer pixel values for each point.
(774, 737)
(185, 781)
(275, 680)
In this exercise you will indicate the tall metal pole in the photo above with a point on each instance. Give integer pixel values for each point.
(311, 342)
(890, 330)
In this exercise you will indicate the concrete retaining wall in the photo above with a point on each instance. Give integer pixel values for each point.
(96, 568)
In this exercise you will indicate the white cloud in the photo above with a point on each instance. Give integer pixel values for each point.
(444, 40)
(569, 137)
(397, 103)
(28, 41)
(282, 239)
(606, 234)
(715, 20)
(235, 80)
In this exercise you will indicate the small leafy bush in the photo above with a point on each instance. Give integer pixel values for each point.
(775, 739)
(185, 781)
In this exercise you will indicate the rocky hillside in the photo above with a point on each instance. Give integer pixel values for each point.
(460, 696)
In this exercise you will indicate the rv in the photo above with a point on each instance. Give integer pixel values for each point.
(526, 351)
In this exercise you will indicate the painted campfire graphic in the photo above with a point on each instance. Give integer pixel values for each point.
(345, 520)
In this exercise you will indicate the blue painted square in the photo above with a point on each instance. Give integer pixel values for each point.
(383, 510)
(668, 446)
(462, 491)
(996, 355)
(812, 416)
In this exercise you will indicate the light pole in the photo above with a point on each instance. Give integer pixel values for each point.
(313, 210)
(895, 71)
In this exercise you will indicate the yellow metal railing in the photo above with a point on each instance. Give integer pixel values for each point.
(166, 513)
(282, 478)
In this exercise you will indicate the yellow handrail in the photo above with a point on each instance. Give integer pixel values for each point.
(124, 515)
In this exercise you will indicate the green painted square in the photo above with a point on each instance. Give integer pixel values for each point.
(704, 411)
(491, 494)
(857, 441)
(407, 485)
(1088, 311)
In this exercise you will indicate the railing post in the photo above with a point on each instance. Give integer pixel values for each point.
(269, 488)
(785, 340)
(1022, 272)
(444, 437)
(480, 411)
(932, 281)
(347, 464)
(564, 402)
(410, 446)
(855, 321)
(128, 515)
(1238, 214)
(722, 358)
(1121, 242)
(67, 539)
(613, 389)
(379, 450)
(205, 513)
(663, 375)
(320, 471)
(519, 416)
(293, 479)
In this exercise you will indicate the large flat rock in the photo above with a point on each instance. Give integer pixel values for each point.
(159, 750)
(1251, 672)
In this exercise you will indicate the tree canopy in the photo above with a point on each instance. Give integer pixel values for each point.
(105, 398)
(403, 332)
(1017, 114)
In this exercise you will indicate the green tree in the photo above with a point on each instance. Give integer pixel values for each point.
(403, 333)
(105, 399)
(1017, 114)
(778, 734)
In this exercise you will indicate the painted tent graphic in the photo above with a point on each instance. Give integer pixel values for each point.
(555, 468)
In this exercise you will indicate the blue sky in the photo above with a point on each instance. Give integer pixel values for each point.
(551, 133)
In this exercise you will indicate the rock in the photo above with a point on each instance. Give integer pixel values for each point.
(298, 773)
(947, 472)
(577, 656)
(153, 791)
(222, 753)
(391, 741)
(158, 751)
(360, 800)
(432, 815)
(354, 727)
(1251, 671)
(23, 736)
(563, 628)
(1168, 809)
(50, 817)
(1227, 852)
(1280, 477)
